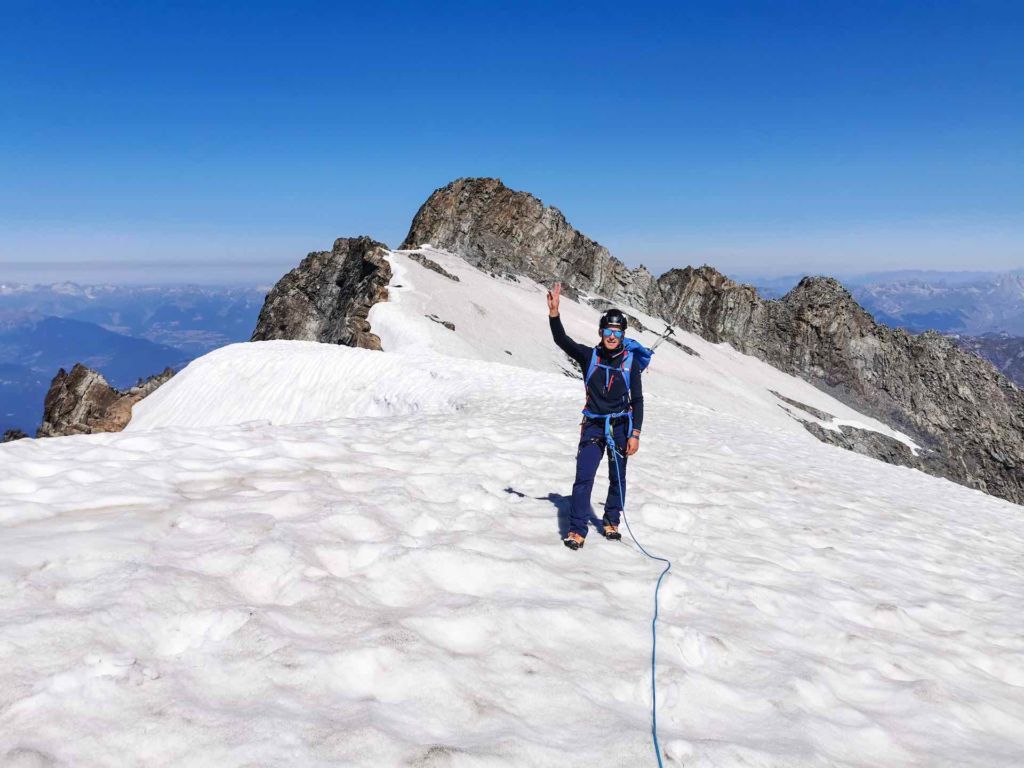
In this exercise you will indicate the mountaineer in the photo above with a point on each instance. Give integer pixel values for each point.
(612, 416)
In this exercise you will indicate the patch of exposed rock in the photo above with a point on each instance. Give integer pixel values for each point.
(688, 350)
(13, 434)
(327, 298)
(433, 266)
(968, 416)
(82, 402)
(865, 441)
(446, 323)
(502, 231)
(818, 414)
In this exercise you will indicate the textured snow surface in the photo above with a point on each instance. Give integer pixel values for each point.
(289, 382)
(319, 556)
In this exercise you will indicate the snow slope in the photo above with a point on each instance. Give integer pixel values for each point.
(301, 554)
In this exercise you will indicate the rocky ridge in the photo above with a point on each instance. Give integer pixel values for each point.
(328, 296)
(505, 232)
(968, 416)
(82, 402)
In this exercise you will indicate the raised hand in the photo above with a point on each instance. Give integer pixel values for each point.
(553, 297)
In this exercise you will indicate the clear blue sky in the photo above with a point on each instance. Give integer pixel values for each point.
(763, 138)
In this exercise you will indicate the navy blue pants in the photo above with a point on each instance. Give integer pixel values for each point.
(592, 444)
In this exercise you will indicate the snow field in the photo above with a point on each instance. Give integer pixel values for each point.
(505, 321)
(301, 554)
(392, 590)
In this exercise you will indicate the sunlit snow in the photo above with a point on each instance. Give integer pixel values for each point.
(309, 555)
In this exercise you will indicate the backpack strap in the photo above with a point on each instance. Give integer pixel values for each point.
(591, 368)
(627, 368)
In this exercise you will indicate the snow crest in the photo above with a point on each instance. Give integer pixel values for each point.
(294, 382)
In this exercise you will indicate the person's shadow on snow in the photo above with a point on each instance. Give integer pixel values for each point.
(563, 506)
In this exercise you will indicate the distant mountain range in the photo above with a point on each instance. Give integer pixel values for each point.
(124, 332)
(993, 305)
(966, 303)
(21, 397)
(194, 319)
(1005, 352)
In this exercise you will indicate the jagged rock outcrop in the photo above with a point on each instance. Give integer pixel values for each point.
(82, 402)
(506, 232)
(328, 296)
(13, 434)
(967, 416)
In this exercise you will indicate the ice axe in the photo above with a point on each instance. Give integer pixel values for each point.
(668, 332)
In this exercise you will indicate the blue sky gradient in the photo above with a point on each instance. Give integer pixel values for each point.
(763, 138)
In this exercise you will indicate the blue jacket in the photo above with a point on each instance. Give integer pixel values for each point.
(604, 396)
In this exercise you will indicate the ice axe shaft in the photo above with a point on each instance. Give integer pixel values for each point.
(668, 332)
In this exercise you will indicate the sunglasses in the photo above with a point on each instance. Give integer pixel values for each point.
(606, 332)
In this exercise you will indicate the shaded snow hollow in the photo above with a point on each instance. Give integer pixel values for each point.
(301, 554)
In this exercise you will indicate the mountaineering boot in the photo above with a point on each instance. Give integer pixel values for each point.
(611, 532)
(573, 541)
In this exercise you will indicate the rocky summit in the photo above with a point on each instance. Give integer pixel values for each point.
(328, 296)
(505, 232)
(968, 417)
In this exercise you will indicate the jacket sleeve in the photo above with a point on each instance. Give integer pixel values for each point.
(636, 396)
(578, 352)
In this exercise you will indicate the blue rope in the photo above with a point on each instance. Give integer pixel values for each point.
(654, 623)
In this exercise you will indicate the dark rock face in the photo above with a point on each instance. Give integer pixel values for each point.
(13, 434)
(864, 441)
(505, 232)
(82, 402)
(328, 296)
(968, 417)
